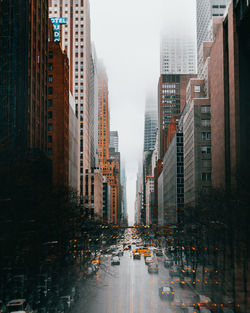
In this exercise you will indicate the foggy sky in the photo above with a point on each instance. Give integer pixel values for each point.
(126, 34)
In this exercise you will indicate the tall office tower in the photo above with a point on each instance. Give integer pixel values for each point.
(75, 39)
(205, 11)
(150, 124)
(114, 140)
(177, 53)
(103, 115)
(23, 75)
(94, 109)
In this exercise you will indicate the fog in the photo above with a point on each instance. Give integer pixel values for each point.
(127, 37)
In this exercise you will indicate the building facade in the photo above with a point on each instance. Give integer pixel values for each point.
(58, 113)
(23, 75)
(177, 53)
(150, 124)
(171, 101)
(114, 140)
(75, 40)
(197, 144)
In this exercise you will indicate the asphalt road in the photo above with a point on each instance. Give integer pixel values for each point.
(128, 288)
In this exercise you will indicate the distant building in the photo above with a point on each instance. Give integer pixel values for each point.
(149, 189)
(106, 201)
(150, 124)
(178, 53)
(94, 194)
(173, 181)
(74, 157)
(114, 140)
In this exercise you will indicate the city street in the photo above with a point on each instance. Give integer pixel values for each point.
(128, 288)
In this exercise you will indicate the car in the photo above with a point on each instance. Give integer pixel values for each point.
(174, 271)
(178, 303)
(153, 268)
(149, 260)
(147, 254)
(167, 293)
(158, 252)
(168, 263)
(115, 260)
(187, 281)
(136, 256)
(202, 302)
(187, 270)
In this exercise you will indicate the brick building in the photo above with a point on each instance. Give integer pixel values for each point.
(58, 113)
(171, 101)
(229, 74)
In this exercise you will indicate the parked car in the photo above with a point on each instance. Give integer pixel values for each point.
(153, 268)
(174, 271)
(167, 293)
(115, 260)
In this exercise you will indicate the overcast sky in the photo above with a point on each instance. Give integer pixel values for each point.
(126, 34)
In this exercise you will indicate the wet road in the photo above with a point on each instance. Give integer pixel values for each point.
(128, 288)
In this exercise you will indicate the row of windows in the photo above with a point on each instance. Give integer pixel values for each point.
(206, 136)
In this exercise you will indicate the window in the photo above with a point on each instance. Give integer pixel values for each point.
(205, 109)
(50, 54)
(50, 90)
(197, 89)
(205, 123)
(50, 78)
(222, 6)
(205, 150)
(50, 66)
(49, 150)
(49, 139)
(206, 163)
(50, 114)
(50, 102)
(50, 126)
(215, 6)
(206, 176)
(206, 136)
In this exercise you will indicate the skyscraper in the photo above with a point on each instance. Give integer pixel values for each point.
(205, 11)
(75, 39)
(150, 124)
(114, 140)
(178, 53)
